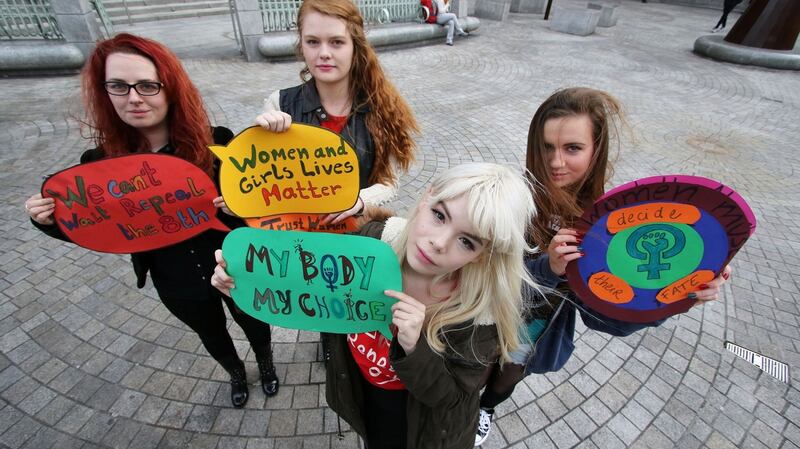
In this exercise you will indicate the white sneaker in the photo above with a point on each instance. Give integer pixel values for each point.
(484, 426)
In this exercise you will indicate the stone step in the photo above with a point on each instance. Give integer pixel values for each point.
(117, 10)
(138, 14)
(131, 3)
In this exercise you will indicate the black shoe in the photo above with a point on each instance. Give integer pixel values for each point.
(269, 380)
(484, 425)
(239, 392)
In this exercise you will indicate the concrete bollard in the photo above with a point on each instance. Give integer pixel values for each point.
(40, 58)
(608, 14)
(581, 22)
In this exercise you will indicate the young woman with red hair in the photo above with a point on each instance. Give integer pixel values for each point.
(139, 99)
(345, 90)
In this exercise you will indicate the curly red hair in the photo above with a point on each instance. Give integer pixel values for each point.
(189, 127)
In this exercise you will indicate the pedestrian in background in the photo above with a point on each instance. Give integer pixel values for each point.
(727, 7)
(447, 19)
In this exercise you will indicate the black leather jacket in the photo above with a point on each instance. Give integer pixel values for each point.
(303, 104)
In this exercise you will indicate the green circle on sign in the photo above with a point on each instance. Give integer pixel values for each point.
(654, 255)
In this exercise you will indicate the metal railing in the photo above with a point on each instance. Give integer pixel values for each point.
(385, 11)
(27, 19)
(105, 20)
(281, 15)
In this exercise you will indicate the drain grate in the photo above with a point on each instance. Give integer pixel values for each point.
(774, 368)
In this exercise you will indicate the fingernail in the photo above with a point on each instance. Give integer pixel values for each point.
(583, 254)
(703, 286)
(692, 295)
(726, 275)
(580, 248)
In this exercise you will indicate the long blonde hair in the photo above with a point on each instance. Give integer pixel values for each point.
(489, 289)
(390, 120)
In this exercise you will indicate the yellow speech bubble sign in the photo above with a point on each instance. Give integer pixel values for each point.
(305, 169)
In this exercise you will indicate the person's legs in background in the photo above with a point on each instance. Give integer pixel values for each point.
(450, 20)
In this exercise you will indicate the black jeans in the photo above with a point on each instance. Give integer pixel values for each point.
(727, 7)
(385, 417)
(207, 318)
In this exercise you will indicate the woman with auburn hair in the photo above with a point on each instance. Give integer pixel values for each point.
(139, 99)
(186, 125)
(461, 257)
(346, 91)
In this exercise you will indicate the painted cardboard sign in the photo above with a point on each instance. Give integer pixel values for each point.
(651, 242)
(305, 169)
(133, 203)
(302, 222)
(313, 281)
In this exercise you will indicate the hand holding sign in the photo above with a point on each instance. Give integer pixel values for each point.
(312, 281)
(41, 209)
(133, 203)
(408, 314)
(655, 246)
(304, 169)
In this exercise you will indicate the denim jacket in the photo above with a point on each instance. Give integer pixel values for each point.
(555, 344)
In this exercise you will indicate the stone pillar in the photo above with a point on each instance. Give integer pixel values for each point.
(248, 18)
(459, 8)
(76, 20)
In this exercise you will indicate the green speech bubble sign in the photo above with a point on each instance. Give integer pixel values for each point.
(313, 281)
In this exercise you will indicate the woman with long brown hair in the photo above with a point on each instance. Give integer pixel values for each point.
(345, 90)
(568, 159)
(139, 99)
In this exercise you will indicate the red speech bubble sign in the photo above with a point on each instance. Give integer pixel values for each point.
(133, 203)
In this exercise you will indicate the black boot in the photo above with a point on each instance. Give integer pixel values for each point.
(239, 392)
(269, 380)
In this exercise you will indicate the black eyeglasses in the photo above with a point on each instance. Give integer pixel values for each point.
(144, 88)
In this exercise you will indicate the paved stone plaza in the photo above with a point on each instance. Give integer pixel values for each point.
(89, 361)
